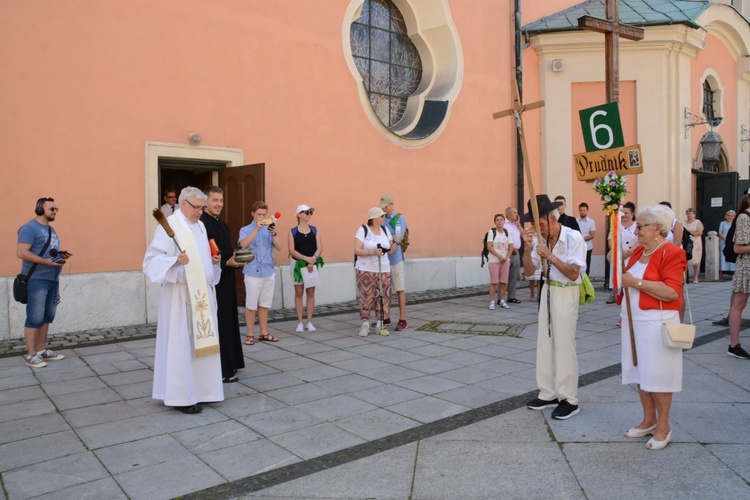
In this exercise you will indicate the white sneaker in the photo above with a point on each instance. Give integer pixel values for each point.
(50, 355)
(310, 327)
(299, 328)
(34, 361)
(504, 304)
(364, 330)
(492, 305)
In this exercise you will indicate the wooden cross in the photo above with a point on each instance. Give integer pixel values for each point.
(517, 111)
(612, 30)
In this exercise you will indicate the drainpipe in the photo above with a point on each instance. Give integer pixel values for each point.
(519, 80)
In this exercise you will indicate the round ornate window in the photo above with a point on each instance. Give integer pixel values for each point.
(407, 79)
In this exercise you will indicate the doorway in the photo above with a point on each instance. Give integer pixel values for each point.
(716, 193)
(178, 173)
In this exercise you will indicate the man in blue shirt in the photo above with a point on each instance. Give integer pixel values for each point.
(260, 274)
(397, 227)
(39, 250)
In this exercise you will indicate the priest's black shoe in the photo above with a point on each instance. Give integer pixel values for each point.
(196, 408)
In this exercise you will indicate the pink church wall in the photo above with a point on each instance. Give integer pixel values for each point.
(587, 95)
(87, 84)
(717, 57)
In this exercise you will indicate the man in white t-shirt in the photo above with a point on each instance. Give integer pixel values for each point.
(588, 231)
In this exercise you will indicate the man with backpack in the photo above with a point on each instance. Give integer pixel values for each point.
(397, 227)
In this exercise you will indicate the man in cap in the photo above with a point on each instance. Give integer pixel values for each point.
(397, 223)
(562, 253)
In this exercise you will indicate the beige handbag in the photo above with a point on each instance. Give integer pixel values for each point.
(678, 335)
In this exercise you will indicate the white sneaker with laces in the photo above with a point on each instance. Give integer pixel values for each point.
(310, 327)
(50, 355)
(299, 328)
(492, 305)
(34, 361)
(504, 304)
(364, 330)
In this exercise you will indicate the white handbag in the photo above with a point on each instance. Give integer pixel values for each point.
(678, 335)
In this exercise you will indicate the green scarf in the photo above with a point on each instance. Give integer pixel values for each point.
(300, 264)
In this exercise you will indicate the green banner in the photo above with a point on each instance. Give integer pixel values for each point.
(601, 127)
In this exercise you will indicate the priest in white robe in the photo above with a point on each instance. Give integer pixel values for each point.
(187, 368)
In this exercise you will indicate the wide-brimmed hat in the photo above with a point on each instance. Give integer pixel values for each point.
(374, 213)
(545, 207)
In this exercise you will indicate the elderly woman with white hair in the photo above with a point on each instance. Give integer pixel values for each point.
(725, 267)
(653, 280)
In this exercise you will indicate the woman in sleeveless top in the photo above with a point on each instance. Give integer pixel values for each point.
(305, 245)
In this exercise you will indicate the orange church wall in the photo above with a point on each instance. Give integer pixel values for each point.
(715, 59)
(588, 95)
(87, 84)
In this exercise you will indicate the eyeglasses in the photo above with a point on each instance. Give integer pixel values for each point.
(639, 226)
(201, 208)
(53, 209)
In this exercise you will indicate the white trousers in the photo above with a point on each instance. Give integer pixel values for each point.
(556, 360)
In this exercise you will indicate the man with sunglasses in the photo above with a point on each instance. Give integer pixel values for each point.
(39, 250)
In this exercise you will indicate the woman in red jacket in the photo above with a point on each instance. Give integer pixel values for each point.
(653, 279)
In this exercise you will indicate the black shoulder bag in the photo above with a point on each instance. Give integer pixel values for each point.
(21, 283)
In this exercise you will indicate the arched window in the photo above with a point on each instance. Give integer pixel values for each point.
(708, 100)
(386, 58)
(405, 56)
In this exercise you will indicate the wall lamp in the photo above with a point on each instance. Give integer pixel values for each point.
(692, 120)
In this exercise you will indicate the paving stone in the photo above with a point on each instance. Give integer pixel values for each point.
(81, 399)
(176, 477)
(212, 437)
(248, 459)
(53, 475)
(102, 488)
(39, 449)
(32, 426)
(280, 421)
(317, 440)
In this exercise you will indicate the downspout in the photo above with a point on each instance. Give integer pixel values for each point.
(519, 80)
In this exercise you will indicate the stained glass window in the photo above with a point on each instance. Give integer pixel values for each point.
(386, 58)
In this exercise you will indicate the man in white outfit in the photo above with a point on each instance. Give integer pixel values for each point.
(563, 255)
(187, 369)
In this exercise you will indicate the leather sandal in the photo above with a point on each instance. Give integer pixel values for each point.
(268, 338)
(250, 340)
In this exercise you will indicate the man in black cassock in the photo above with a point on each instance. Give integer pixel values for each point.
(230, 344)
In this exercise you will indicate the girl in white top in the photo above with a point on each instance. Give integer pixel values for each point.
(372, 268)
(499, 248)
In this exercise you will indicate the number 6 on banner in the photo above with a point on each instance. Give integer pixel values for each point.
(601, 127)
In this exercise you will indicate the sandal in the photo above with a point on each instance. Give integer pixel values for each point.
(230, 380)
(268, 338)
(250, 340)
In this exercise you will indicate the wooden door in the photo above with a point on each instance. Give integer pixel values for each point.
(242, 187)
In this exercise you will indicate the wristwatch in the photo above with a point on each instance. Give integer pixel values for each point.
(639, 284)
